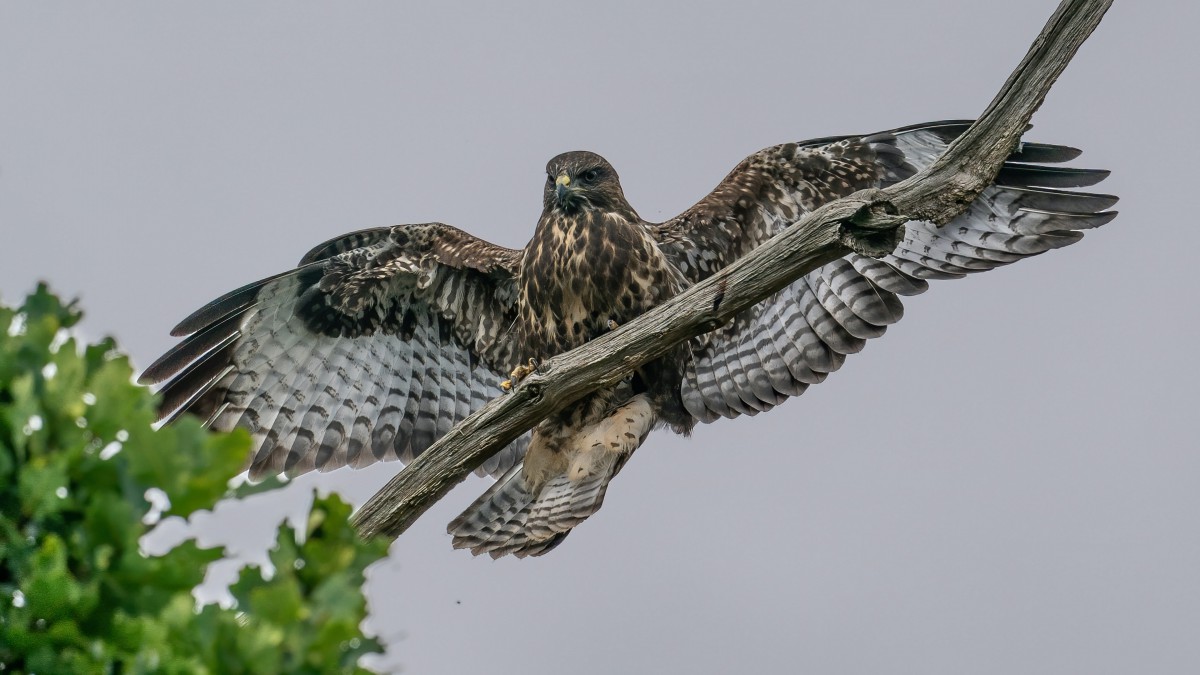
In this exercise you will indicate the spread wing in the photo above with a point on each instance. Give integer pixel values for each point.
(795, 338)
(371, 349)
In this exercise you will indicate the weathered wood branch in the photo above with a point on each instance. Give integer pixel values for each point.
(868, 222)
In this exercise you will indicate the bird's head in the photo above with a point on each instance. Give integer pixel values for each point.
(581, 180)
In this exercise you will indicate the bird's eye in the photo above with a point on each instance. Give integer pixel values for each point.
(591, 175)
(550, 178)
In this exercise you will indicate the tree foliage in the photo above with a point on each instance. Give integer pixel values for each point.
(79, 464)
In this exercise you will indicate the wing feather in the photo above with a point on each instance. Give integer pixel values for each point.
(826, 316)
(392, 394)
(372, 349)
(805, 331)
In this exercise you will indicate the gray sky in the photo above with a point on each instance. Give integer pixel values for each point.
(1007, 482)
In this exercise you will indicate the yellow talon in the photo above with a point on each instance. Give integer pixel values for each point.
(519, 373)
(613, 325)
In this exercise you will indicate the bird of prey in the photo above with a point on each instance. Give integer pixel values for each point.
(379, 341)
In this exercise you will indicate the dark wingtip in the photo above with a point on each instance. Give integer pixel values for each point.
(154, 373)
(1104, 201)
(214, 338)
(211, 313)
(181, 393)
(218, 309)
(233, 301)
(957, 126)
(194, 322)
(1063, 201)
(1044, 153)
(241, 298)
(1032, 175)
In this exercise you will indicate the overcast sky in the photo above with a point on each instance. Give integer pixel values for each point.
(1008, 482)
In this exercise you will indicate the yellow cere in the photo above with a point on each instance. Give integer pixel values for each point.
(564, 179)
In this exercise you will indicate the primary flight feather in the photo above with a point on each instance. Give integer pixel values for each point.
(383, 339)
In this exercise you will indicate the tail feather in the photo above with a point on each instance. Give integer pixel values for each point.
(497, 515)
(510, 518)
(566, 502)
(516, 517)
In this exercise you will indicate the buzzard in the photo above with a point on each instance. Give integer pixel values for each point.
(379, 341)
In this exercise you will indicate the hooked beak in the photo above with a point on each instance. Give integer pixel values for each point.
(562, 189)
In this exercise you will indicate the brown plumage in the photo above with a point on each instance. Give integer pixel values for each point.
(382, 339)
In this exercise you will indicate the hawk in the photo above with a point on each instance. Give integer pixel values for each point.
(379, 341)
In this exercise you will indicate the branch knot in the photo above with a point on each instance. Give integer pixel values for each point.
(875, 229)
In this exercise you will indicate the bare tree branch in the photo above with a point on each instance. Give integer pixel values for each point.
(868, 222)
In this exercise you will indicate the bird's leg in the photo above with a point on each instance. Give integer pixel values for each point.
(613, 325)
(519, 373)
(612, 439)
